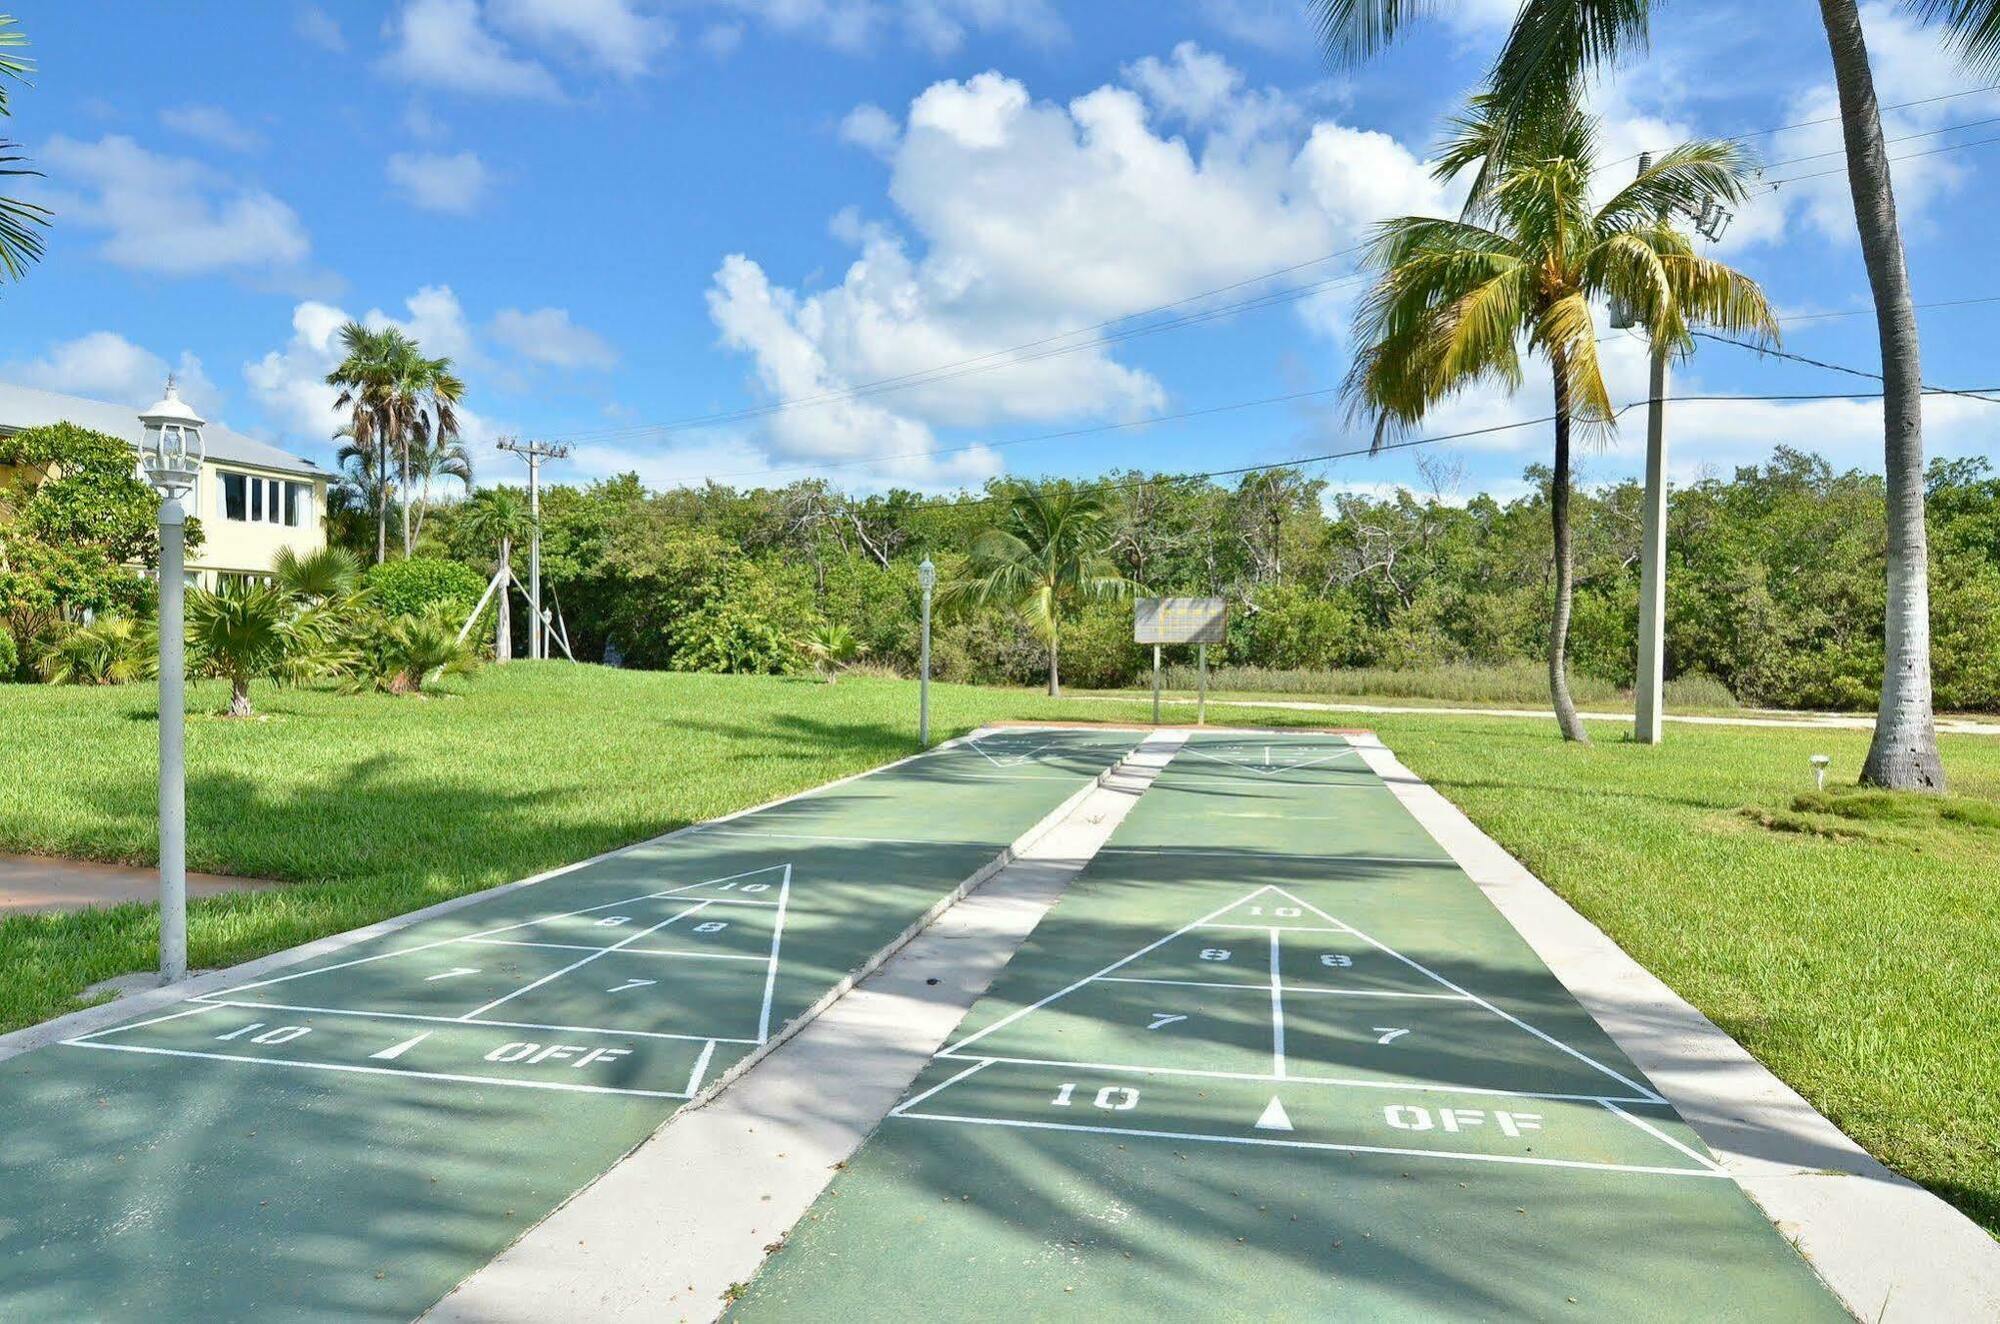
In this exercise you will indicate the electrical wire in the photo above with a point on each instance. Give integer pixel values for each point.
(1830, 367)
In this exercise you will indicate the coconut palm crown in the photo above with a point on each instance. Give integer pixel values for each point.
(1459, 301)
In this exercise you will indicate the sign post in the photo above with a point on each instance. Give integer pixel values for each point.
(1199, 621)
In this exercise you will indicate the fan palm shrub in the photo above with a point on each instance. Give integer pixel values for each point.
(111, 650)
(833, 648)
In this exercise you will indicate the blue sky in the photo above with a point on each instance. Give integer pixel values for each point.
(623, 214)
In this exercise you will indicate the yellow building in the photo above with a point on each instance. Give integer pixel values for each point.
(252, 498)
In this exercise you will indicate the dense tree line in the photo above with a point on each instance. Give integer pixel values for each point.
(1775, 580)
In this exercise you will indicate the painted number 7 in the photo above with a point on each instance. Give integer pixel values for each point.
(1389, 1035)
(631, 983)
(1161, 1018)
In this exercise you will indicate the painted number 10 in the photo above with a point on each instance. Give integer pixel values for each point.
(1112, 1098)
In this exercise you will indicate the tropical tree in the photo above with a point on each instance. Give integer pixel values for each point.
(366, 376)
(1459, 300)
(1553, 44)
(246, 631)
(1045, 556)
(110, 650)
(324, 575)
(427, 392)
(833, 647)
(498, 516)
(20, 239)
(438, 459)
(408, 652)
(399, 402)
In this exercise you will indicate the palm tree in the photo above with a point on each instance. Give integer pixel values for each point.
(427, 393)
(20, 241)
(833, 647)
(437, 459)
(1458, 300)
(245, 631)
(327, 574)
(498, 516)
(1048, 552)
(111, 650)
(1552, 45)
(366, 376)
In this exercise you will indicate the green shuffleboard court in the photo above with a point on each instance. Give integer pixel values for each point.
(1273, 1056)
(350, 1138)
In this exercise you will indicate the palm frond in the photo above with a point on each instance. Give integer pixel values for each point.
(1972, 28)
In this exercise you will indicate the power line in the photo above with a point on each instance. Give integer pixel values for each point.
(1774, 184)
(1834, 119)
(1908, 137)
(1869, 312)
(1831, 367)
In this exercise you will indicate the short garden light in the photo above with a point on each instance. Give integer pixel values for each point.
(171, 452)
(1819, 766)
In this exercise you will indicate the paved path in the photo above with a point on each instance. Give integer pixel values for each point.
(31, 884)
(1273, 1056)
(349, 1139)
(1799, 721)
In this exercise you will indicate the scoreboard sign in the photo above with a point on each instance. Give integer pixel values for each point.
(1179, 620)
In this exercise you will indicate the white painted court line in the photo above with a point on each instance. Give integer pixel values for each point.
(1508, 1016)
(700, 1068)
(1295, 928)
(1662, 1136)
(215, 1000)
(1289, 988)
(1268, 768)
(1267, 1142)
(629, 951)
(563, 1086)
(482, 933)
(579, 964)
(1122, 961)
(1277, 1013)
(1346, 1082)
(944, 1084)
(771, 970)
(1442, 861)
(826, 836)
(81, 1041)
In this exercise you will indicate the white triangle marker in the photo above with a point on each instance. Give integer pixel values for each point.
(1274, 1118)
(392, 1053)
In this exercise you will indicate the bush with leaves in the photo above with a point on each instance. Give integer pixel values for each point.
(833, 648)
(110, 650)
(416, 584)
(402, 654)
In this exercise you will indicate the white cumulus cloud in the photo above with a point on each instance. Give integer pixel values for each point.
(104, 365)
(453, 182)
(547, 335)
(169, 214)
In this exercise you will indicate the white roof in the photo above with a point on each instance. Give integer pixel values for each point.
(26, 407)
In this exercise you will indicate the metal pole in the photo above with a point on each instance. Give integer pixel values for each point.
(1201, 703)
(536, 647)
(924, 678)
(1156, 684)
(1650, 681)
(173, 732)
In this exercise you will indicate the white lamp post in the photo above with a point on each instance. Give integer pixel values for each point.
(171, 453)
(927, 580)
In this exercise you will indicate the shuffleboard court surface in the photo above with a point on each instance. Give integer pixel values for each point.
(348, 1138)
(1273, 1056)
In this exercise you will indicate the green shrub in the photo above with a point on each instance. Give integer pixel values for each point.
(10, 656)
(417, 585)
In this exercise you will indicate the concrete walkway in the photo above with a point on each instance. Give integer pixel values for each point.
(36, 884)
(1961, 726)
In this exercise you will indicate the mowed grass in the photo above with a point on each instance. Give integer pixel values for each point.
(374, 805)
(1850, 940)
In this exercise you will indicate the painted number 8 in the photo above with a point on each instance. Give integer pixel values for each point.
(1215, 953)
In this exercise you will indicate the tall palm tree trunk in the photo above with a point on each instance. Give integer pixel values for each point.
(1566, 718)
(406, 500)
(503, 628)
(1055, 658)
(1904, 754)
(381, 504)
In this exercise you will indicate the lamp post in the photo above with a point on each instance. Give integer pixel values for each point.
(171, 452)
(927, 580)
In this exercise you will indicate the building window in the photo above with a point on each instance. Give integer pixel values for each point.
(235, 496)
(296, 499)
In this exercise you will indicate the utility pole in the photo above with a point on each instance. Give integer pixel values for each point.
(534, 452)
(1649, 682)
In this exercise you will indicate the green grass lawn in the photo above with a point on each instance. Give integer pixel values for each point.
(1850, 941)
